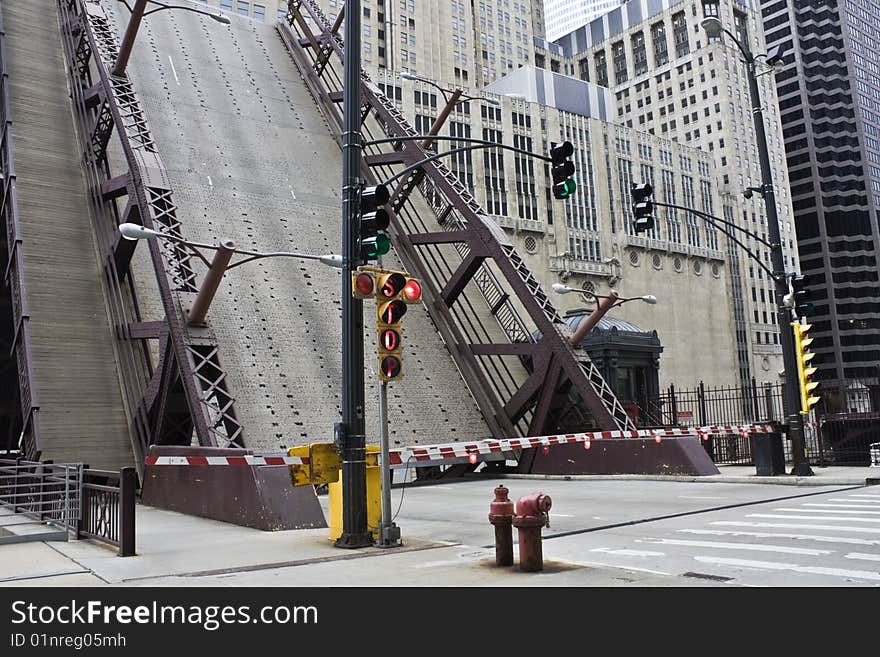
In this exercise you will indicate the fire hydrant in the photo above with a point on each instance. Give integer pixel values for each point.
(531, 515)
(501, 516)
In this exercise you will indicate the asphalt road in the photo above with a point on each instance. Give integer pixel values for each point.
(738, 534)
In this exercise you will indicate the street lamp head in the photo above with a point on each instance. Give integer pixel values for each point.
(712, 26)
(776, 54)
(559, 288)
(649, 298)
(221, 18)
(491, 101)
(136, 232)
(406, 75)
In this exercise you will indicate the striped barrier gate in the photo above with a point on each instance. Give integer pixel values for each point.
(472, 452)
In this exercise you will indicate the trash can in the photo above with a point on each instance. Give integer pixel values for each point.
(767, 454)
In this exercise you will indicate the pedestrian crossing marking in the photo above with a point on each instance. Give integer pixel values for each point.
(773, 565)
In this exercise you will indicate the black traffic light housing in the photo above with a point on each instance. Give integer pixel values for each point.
(562, 169)
(642, 206)
(801, 297)
(373, 220)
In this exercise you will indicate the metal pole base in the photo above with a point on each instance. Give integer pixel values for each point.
(802, 470)
(352, 541)
(389, 536)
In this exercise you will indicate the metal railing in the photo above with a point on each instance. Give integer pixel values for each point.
(838, 431)
(38, 494)
(108, 508)
(69, 498)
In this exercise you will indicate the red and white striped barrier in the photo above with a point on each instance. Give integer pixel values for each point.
(227, 460)
(483, 450)
(493, 450)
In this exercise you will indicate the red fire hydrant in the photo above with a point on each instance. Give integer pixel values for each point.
(501, 516)
(531, 515)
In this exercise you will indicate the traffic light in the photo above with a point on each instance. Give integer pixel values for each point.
(642, 207)
(372, 240)
(803, 306)
(804, 368)
(562, 169)
(394, 291)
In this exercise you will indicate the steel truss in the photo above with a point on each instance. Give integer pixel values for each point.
(184, 391)
(526, 381)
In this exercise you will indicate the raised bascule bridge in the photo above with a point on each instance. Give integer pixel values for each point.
(232, 132)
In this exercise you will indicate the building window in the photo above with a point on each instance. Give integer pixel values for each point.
(242, 8)
(658, 36)
(584, 69)
(260, 13)
(618, 53)
(601, 68)
(680, 34)
(640, 55)
(741, 26)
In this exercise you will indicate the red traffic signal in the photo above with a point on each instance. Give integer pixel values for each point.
(390, 284)
(389, 339)
(390, 368)
(363, 284)
(412, 291)
(391, 312)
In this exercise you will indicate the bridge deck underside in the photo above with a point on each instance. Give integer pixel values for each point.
(251, 159)
(81, 411)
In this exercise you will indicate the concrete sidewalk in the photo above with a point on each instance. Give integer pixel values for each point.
(174, 549)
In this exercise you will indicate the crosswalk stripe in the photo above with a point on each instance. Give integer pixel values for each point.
(742, 546)
(805, 537)
(801, 510)
(865, 503)
(773, 565)
(787, 525)
(842, 506)
(861, 555)
(784, 517)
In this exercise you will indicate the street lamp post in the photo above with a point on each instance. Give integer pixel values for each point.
(800, 463)
(138, 12)
(452, 97)
(219, 264)
(605, 302)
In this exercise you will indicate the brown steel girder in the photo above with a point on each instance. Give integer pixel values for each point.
(186, 390)
(478, 240)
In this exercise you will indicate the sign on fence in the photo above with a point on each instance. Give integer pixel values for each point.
(685, 416)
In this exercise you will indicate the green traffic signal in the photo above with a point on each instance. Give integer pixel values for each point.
(373, 247)
(564, 189)
(562, 169)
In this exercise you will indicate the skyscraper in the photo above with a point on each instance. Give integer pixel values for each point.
(829, 96)
(564, 16)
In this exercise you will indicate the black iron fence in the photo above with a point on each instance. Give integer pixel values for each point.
(107, 508)
(838, 431)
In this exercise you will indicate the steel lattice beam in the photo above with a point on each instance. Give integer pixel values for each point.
(485, 257)
(186, 391)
